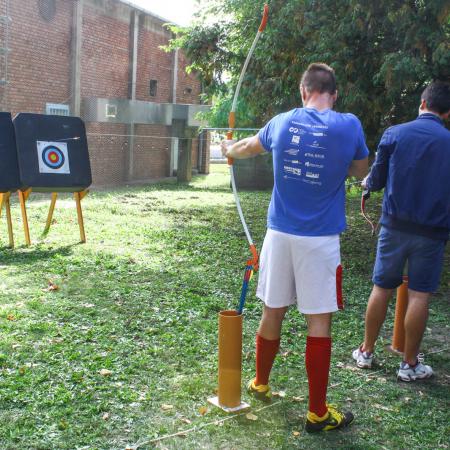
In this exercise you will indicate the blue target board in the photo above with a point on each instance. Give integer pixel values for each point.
(53, 152)
(9, 167)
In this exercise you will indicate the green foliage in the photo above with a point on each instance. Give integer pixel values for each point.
(384, 54)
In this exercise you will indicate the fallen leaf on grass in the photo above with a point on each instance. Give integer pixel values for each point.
(296, 433)
(51, 287)
(280, 394)
(384, 408)
(298, 399)
(88, 305)
(340, 365)
(251, 416)
(105, 416)
(203, 410)
(186, 420)
(11, 317)
(166, 407)
(105, 372)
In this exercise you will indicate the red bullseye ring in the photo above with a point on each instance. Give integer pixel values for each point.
(53, 157)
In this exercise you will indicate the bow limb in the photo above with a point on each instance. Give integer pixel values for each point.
(231, 125)
(365, 196)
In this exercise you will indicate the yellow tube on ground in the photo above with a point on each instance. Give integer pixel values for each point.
(398, 338)
(230, 358)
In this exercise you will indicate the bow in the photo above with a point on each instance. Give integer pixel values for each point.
(365, 196)
(253, 263)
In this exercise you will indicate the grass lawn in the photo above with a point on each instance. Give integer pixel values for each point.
(124, 352)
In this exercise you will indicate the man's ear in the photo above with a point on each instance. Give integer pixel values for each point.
(335, 97)
(303, 93)
(423, 104)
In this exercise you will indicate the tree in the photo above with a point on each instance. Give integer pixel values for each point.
(384, 54)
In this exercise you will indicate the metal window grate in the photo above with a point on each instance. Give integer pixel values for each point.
(57, 109)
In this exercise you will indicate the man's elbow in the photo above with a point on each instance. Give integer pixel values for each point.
(359, 169)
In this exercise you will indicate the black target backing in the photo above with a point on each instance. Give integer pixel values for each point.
(9, 168)
(44, 141)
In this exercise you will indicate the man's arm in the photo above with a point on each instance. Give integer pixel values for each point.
(359, 168)
(245, 148)
(379, 171)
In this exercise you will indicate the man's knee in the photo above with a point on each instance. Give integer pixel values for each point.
(319, 325)
(274, 313)
(381, 294)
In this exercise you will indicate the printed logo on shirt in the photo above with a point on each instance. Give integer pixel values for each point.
(293, 170)
(318, 134)
(312, 175)
(292, 151)
(312, 165)
(315, 144)
(295, 139)
(315, 155)
(292, 161)
(317, 183)
(296, 130)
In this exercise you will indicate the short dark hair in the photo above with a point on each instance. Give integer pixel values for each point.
(319, 77)
(437, 96)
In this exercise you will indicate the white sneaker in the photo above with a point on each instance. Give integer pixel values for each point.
(411, 373)
(363, 360)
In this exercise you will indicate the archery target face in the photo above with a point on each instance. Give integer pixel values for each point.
(53, 157)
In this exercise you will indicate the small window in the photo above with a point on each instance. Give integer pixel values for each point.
(188, 90)
(57, 109)
(47, 9)
(153, 88)
(111, 111)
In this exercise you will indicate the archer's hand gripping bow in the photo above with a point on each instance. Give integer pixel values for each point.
(252, 264)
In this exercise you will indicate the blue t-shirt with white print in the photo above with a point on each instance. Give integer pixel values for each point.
(312, 152)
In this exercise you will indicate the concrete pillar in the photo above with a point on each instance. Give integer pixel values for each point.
(134, 34)
(175, 76)
(77, 36)
(185, 135)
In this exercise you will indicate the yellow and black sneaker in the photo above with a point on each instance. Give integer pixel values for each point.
(261, 392)
(332, 420)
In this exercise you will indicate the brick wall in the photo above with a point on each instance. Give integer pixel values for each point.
(39, 61)
(39, 72)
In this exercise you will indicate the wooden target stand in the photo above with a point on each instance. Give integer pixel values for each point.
(78, 196)
(5, 200)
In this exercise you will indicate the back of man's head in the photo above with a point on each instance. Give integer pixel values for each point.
(320, 78)
(437, 97)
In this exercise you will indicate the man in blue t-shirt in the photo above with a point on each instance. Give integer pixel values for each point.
(413, 167)
(314, 149)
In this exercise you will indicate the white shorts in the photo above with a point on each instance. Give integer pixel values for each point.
(301, 269)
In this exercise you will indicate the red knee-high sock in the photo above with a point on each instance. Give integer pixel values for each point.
(317, 360)
(266, 350)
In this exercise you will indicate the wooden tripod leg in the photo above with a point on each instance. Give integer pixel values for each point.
(5, 199)
(23, 197)
(78, 197)
(50, 212)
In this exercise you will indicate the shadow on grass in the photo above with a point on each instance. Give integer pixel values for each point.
(24, 256)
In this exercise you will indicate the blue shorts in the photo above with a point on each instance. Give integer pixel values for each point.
(424, 256)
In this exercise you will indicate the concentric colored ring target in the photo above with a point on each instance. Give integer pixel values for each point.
(53, 157)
